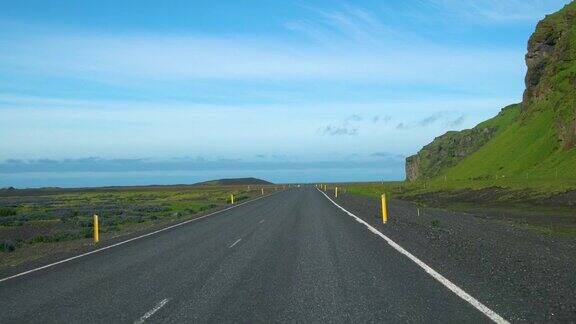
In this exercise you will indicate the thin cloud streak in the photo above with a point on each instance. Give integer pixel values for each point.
(144, 58)
(495, 11)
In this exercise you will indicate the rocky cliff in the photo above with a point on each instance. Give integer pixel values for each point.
(551, 76)
(535, 139)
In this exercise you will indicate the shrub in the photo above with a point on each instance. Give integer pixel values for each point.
(435, 223)
(7, 246)
(38, 239)
(7, 212)
(86, 223)
(87, 233)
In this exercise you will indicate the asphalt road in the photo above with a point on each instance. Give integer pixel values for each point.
(290, 257)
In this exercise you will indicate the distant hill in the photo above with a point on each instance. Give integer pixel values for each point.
(536, 138)
(234, 181)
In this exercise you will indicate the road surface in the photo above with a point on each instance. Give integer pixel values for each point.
(290, 257)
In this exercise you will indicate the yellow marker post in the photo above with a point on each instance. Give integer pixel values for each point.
(384, 209)
(231, 199)
(96, 234)
(336, 192)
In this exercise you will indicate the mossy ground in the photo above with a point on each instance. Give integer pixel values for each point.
(56, 216)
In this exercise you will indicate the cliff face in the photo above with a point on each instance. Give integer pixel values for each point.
(535, 139)
(445, 151)
(551, 76)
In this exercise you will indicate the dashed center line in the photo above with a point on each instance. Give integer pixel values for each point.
(152, 311)
(235, 243)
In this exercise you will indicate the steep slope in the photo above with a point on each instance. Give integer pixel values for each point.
(537, 140)
(449, 149)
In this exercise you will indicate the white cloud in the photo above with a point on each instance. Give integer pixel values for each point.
(56, 128)
(497, 10)
(141, 58)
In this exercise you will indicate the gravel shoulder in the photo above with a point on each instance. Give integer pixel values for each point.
(497, 262)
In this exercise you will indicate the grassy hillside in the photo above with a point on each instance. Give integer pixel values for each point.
(525, 149)
(535, 140)
(519, 166)
(449, 149)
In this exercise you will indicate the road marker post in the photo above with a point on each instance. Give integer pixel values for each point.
(336, 192)
(262, 191)
(231, 199)
(384, 209)
(96, 233)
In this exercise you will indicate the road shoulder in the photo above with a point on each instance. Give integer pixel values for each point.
(523, 275)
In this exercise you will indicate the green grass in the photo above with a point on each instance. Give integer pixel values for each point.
(524, 150)
(49, 216)
(535, 140)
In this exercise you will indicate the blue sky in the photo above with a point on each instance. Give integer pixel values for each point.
(263, 83)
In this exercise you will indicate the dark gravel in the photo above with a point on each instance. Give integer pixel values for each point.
(522, 275)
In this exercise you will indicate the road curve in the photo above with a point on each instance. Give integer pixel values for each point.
(290, 257)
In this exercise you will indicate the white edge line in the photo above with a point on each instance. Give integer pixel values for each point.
(132, 239)
(447, 283)
(237, 241)
(152, 311)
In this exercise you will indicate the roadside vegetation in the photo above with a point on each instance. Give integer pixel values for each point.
(544, 205)
(34, 222)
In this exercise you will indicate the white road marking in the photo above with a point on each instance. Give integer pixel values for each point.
(132, 239)
(260, 222)
(152, 311)
(231, 246)
(447, 283)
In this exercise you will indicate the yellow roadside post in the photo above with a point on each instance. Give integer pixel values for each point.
(336, 192)
(384, 209)
(96, 234)
(231, 199)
